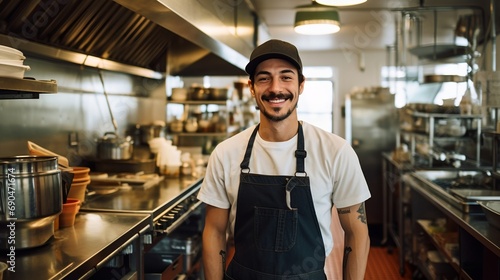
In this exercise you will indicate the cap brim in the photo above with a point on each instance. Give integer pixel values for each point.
(252, 65)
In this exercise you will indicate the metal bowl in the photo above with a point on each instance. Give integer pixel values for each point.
(492, 211)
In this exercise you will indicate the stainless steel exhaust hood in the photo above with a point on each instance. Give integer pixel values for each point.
(147, 38)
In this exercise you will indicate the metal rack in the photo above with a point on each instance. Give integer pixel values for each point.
(473, 123)
(495, 157)
(396, 198)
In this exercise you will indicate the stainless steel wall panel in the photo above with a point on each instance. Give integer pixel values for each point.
(79, 106)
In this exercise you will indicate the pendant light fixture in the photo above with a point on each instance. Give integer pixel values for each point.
(316, 19)
(337, 3)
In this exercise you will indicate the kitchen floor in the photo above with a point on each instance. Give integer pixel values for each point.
(384, 265)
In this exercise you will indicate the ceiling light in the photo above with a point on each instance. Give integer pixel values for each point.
(340, 2)
(316, 19)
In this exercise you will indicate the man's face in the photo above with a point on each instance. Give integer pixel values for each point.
(276, 88)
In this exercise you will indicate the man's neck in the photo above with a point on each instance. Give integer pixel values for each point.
(278, 131)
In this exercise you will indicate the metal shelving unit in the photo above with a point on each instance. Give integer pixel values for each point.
(27, 88)
(206, 137)
(473, 125)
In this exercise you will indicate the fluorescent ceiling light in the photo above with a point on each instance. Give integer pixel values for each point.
(340, 2)
(316, 19)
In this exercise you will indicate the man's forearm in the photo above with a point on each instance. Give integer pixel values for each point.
(214, 253)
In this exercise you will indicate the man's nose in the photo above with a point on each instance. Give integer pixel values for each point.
(275, 86)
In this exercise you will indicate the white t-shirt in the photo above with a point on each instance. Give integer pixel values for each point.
(332, 166)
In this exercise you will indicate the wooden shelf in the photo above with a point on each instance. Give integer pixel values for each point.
(199, 102)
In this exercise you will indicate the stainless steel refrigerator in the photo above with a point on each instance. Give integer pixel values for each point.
(371, 127)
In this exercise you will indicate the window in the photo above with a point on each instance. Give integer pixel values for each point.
(316, 102)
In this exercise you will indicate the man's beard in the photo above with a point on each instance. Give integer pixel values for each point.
(278, 118)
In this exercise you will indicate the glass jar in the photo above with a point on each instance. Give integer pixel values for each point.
(191, 125)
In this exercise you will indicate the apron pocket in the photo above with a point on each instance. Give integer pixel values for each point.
(275, 229)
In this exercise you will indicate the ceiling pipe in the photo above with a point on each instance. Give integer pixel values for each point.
(493, 37)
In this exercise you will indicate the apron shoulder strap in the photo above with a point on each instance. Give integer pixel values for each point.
(300, 153)
(246, 160)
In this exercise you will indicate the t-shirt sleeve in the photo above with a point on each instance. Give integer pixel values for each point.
(350, 185)
(212, 191)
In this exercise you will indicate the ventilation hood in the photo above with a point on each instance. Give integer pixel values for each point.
(148, 38)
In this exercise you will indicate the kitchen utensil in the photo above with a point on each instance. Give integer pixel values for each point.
(476, 194)
(37, 150)
(191, 125)
(217, 93)
(179, 94)
(176, 126)
(198, 93)
(34, 184)
(113, 120)
(157, 129)
(111, 146)
(492, 211)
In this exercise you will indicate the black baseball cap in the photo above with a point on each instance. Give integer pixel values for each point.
(274, 49)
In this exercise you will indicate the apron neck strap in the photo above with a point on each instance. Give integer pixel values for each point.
(300, 153)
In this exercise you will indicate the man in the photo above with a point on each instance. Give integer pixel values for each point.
(272, 187)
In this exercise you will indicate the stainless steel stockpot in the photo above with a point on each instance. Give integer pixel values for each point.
(111, 146)
(31, 196)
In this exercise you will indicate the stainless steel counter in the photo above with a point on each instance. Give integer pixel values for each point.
(79, 250)
(474, 223)
(153, 201)
(105, 225)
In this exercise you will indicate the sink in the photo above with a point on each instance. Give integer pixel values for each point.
(446, 183)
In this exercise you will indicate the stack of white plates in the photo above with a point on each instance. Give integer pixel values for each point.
(12, 63)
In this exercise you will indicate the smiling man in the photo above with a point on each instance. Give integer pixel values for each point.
(272, 186)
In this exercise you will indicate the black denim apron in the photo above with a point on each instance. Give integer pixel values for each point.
(277, 235)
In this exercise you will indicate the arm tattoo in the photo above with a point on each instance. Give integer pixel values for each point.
(344, 211)
(362, 214)
(361, 211)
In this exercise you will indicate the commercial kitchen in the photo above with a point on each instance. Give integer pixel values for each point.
(118, 104)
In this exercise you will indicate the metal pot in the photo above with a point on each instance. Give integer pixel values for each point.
(31, 195)
(111, 146)
(149, 132)
(220, 94)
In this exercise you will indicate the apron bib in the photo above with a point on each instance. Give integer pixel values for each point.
(277, 235)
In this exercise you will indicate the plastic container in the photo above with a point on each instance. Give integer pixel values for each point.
(13, 70)
(68, 214)
(10, 53)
